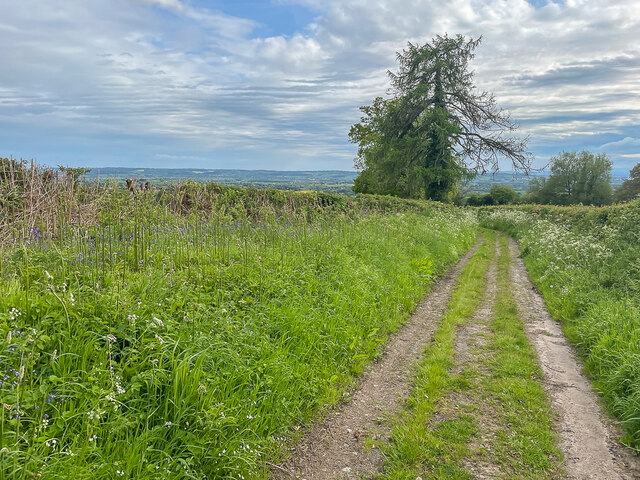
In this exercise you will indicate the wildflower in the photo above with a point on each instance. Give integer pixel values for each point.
(93, 438)
(159, 338)
(119, 389)
(202, 389)
(111, 338)
(95, 414)
(72, 299)
(14, 313)
(51, 443)
(54, 355)
(158, 322)
(48, 276)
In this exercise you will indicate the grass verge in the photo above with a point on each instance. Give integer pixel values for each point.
(169, 347)
(585, 261)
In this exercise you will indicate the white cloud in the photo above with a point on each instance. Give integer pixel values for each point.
(168, 69)
(625, 142)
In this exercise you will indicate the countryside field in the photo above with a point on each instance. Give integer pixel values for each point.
(198, 330)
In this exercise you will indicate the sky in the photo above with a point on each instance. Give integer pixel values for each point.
(276, 84)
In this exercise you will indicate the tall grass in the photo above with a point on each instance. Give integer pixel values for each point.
(586, 263)
(185, 333)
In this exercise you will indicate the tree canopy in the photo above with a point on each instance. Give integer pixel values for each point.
(576, 177)
(435, 129)
(498, 195)
(630, 188)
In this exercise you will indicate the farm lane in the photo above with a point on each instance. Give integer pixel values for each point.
(587, 440)
(334, 447)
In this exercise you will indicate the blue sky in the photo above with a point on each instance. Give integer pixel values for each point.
(277, 84)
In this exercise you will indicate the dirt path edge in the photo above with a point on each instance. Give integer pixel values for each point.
(334, 447)
(587, 439)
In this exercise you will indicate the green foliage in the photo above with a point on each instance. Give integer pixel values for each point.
(576, 177)
(184, 333)
(477, 200)
(436, 130)
(630, 188)
(503, 195)
(498, 195)
(75, 173)
(586, 263)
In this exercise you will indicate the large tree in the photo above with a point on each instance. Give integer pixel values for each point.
(576, 177)
(435, 129)
(630, 188)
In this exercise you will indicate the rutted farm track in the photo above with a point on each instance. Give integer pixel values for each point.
(511, 402)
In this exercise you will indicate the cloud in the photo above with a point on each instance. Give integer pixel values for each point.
(198, 82)
(624, 143)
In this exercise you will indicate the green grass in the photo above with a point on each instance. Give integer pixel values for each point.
(415, 448)
(499, 393)
(154, 345)
(586, 263)
(524, 445)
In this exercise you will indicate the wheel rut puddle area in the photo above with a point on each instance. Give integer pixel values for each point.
(587, 439)
(334, 448)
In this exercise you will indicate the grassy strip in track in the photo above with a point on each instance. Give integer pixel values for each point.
(414, 447)
(503, 395)
(524, 445)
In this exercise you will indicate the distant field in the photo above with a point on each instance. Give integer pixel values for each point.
(334, 181)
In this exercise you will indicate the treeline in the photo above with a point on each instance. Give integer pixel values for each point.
(575, 178)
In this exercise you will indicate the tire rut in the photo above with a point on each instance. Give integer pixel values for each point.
(587, 440)
(334, 448)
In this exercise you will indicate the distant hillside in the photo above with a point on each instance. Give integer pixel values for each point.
(334, 181)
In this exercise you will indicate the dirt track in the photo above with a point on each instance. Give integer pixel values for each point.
(587, 440)
(334, 448)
